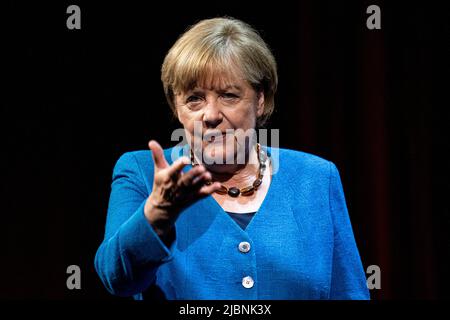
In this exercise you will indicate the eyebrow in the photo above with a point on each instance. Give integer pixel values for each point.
(231, 87)
(197, 89)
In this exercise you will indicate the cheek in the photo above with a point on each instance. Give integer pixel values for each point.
(244, 117)
(187, 119)
(192, 124)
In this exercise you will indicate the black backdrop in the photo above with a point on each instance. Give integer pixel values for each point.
(369, 100)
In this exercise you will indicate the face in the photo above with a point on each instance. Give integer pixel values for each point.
(217, 116)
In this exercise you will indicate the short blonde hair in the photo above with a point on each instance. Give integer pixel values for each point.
(211, 48)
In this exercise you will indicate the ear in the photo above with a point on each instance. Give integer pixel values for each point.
(261, 103)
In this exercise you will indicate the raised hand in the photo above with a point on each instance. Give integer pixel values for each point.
(173, 190)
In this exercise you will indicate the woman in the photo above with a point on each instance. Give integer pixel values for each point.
(218, 218)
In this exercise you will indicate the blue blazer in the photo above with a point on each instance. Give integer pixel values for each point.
(301, 240)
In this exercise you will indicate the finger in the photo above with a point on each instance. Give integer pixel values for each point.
(201, 179)
(206, 190)
(177, 166)
(157, 155)
(189, 177)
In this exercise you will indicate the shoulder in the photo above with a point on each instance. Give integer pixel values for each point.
(300, 162)
(140, 162)
(131, 161)
(136, 167)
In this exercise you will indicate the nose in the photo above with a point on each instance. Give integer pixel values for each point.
(212, 116)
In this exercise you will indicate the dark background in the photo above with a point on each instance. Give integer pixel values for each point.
(372, 101)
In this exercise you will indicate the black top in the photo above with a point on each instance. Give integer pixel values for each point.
(242, 219)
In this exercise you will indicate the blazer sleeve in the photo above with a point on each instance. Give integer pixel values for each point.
(131, 252)
(348, 278)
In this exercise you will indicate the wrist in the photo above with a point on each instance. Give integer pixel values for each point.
(158, 216)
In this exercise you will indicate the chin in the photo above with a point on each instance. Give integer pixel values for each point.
(217, 153)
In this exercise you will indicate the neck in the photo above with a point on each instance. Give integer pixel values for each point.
(236, 174)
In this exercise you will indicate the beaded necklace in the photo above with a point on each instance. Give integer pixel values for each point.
(250, 189)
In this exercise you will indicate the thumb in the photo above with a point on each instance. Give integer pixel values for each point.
(157, 155)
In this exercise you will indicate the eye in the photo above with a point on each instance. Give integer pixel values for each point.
(229, 96)
(192, 99)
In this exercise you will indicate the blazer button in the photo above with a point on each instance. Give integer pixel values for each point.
(244, 247)
(247, 282)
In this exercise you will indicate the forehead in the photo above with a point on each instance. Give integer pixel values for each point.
(212, 75)
(219, 83)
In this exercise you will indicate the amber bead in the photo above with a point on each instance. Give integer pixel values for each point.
(222, 190)
(233, 192)
(257, 183)
(247, 191)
